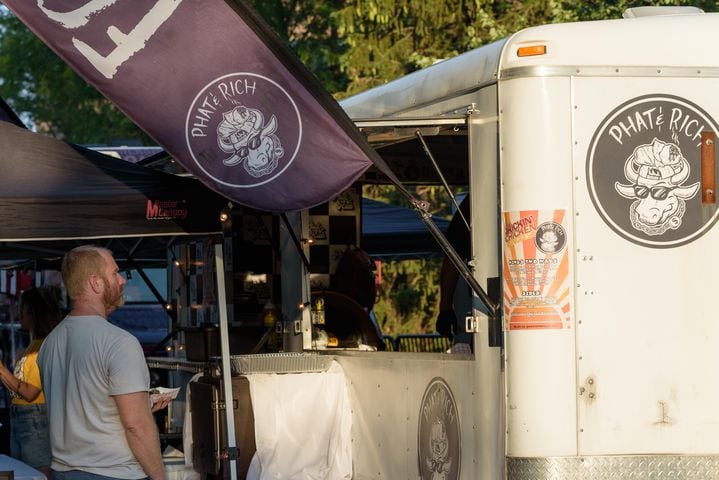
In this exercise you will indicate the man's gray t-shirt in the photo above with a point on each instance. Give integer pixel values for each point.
(84, 362)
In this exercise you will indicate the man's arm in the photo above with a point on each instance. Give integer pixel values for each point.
(141, 432)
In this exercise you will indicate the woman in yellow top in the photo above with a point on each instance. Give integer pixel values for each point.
(29, 432)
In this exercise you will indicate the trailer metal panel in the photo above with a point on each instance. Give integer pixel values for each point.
(623, 387)
(647, 330)
(668, 40)
(536, 153)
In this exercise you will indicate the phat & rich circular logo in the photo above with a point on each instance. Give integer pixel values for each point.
(643, 170)
(439, 444)
(243, 130)
(550, 237)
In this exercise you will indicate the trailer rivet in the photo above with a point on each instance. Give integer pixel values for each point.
(590, 381)
(591, 395)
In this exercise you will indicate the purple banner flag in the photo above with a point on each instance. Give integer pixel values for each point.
(216, 89)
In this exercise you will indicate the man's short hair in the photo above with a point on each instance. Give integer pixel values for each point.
(77, 266)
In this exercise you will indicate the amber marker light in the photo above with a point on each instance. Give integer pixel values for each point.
(531, 50)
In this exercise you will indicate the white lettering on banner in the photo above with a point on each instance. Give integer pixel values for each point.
(238, 87)
(127, 44)
(79, 16)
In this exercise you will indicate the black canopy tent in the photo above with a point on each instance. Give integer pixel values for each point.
(55, 195)
(391, 232)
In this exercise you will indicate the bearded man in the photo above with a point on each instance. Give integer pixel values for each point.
(96, 381)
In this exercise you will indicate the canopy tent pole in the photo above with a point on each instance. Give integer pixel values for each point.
(232, 452)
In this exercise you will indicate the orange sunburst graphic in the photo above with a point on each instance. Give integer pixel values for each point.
(536, 267)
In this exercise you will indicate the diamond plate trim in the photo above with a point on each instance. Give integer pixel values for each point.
(635, 467)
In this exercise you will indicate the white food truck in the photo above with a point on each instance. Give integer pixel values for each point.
(591, 166)
(590, 151)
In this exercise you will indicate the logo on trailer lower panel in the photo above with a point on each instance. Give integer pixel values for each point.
(438, 441)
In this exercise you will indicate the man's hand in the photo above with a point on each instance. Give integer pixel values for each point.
(161, 403)
(446, 323)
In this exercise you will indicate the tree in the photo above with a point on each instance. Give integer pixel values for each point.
(391, 38)
(350, 45)
(38, 84)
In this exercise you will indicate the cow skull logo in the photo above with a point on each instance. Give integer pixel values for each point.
(243, 130)
(643, 170)
(244, 134)
(656, 172)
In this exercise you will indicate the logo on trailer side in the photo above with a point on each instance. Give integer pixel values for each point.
(439, 444)
(643, 170)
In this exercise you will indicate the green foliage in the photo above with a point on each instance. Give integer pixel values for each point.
(310, 29)
(408, 296)
(350, 45)
(391, 38)
(35, 82)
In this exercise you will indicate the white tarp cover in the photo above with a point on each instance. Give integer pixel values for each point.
(303, 423)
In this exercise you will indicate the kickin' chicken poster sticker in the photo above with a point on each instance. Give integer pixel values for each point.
(537, 293)
(644, 170)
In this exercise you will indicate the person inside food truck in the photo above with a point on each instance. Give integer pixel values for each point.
(349, 300)
(451, 298)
